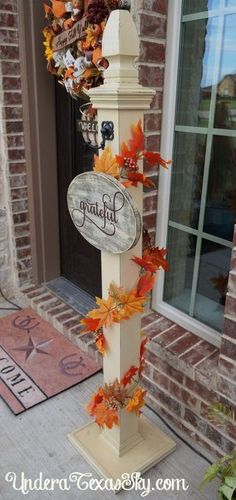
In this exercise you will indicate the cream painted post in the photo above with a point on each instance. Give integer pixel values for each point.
(135, 444)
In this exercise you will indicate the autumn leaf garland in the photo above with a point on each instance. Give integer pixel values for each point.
(106, 403)
(125, 166)
(121, 304)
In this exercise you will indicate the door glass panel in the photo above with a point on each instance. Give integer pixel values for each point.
(221, 195)
(230, 3)
(187, 178)
(193, 6)
(212, 284)
(225, 113)
(178, 280)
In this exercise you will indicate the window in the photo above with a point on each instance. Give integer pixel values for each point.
(197, 198)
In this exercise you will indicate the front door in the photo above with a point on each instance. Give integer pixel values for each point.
(80, 262)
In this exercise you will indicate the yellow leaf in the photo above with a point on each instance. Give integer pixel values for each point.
(106, 163)
(106, 312)
(101, 344)
(131, 304)
(137, 401)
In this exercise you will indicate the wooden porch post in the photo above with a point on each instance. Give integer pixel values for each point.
(134, 445)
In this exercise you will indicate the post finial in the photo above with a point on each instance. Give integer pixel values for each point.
(120, 35)
(120, 46)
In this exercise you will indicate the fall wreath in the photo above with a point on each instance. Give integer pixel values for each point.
(73, 41)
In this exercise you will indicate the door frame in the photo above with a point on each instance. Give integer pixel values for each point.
(40, 143)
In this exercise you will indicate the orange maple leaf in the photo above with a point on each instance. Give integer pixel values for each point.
(143, 347)
(153, 259)
(145, 264)
(127, 378)
(155, 159)
(137, 401)
(107, 163)
(106, 312)
(91, 325)
(136, 143)
(136, 177)
(142, 352)
(145, 284)
(158, 257)
(95, 401)
(47, 10)
(131, 304)
(105, 415)
(101, 344)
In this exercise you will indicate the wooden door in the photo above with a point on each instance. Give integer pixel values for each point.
(80, 262)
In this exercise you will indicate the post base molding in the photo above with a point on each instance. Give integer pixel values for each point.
(90, 442)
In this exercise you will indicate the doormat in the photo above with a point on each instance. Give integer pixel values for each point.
(36, 361)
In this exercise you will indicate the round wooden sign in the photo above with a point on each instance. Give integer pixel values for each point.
(103, 212)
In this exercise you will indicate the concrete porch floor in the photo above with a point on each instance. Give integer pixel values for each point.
(36, 441)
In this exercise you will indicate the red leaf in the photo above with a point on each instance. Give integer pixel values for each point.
(145, 264)
(127, 379)
(137, 177)
(158, 257)
(155, 159)
(91, 325)
(125, 153)
(143, 347)
(145, 284)
(96, 399)
(136, 143)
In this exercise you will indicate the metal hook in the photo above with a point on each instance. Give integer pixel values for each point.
(107, 133)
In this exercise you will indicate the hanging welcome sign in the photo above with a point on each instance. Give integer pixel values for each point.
(104, 213)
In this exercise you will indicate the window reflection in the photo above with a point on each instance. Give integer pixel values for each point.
(187, 176)
(221, 196)
(212, 284)
(193, 6)
(194, 86)
(225, 115)
(178, 280)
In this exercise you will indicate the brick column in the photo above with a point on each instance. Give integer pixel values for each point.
(151, 20)
(14, 195)
(227, 360)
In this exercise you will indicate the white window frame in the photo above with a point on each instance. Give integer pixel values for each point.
(167, 142)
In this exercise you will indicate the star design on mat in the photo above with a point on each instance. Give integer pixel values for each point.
(31, 348)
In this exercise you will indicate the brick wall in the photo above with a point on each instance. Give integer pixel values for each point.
(185, 374)
(18, 249)
(151, 20)
(227, 361)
